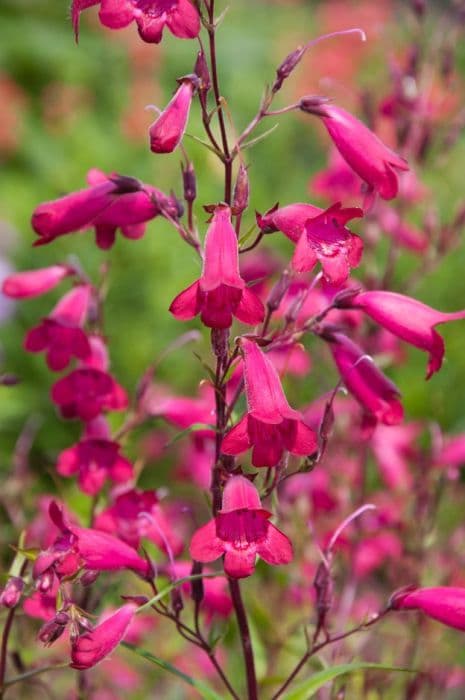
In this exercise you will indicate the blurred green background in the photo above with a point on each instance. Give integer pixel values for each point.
(68, 108)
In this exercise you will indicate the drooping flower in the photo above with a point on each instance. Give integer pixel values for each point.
(90, 648)
(270, 425)
(220, 293)
(110, 202)
(167, 131)
(369, 157)
(151, 16)
(33, 283)
(408, 319)
(240, 531)
(378, 396)
(443, 603)
(61, 334)
(84, 393)
(95, 459)
(321, 236)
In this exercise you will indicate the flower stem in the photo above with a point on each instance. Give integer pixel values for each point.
(252, 691)
(4, 648)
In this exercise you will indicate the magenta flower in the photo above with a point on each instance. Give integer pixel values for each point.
(443, 603)
(109, 203)
(378, 396)
(137, 514)
(240, 531)
(409, 320)
(270, 425)
(84, 393)
(90, 648)
(338, 181)
(366, 154)
(167, 131)
(95, 459)
(151, 16)
(220, 293)
(60, 334)
(33, 283)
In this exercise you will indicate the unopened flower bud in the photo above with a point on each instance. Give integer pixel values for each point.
(241, 191)
(287, 66)
(89, 577)
(197, 588)
(278, 291)
(176, 601)
(9, 379)
(11, 594)
(418, 7)
(54, 628)
(44, 582)
(202, 72)
(189, 182)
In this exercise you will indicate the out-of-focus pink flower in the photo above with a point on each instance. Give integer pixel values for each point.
(196, 460)
(110, 202)
(337, 182)
(408, 319)
(443, 603)
(373, 552)
(33, 283)
(90, 648)
(378, 396)
(369, 157)
(84, 393)
(270, 425)
(168, 130)
(61, 334)
(240, 531)
(291, 359)
(394, 449)
(452, 453)
(220, 293)
(95, 459)
(136, 514)
(183, 411)
(403, 233)
(151, 16)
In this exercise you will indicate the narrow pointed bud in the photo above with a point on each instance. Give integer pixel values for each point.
(278, 291)
(11, 594)
(197, 587)
(287, 66)
(167, 131)
(189, 182)
(202, 72)
(33, 283)
(241, 191)
(54, 628)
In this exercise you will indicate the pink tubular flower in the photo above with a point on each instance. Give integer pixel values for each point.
(409, 320)
(321, 236)
(270, 425)
(369, 157)
(443, 603)
(84, 393)
(95, 459)
(60, 334)
(110, 202)
(167, 131)
(220, 293)
(240, 531)
(33, 283)
(151, 16)
(90, 648)
(378, 396)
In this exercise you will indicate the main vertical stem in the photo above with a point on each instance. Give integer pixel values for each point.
(4, 648)
(247, 650)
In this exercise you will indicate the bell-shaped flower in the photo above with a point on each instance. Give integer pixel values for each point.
(95, 459)
(366, 154)
(110, 202)
(61, 334)
(167, 131)
(85, 392)
(33, 283)
(320, 235)
(408, 319)
(270, 425)
(240, 531)
(443, 603)
(220, 293)
(378, 396)
(151, 16)
(90, 648)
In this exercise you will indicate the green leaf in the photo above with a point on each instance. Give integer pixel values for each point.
(205, 691)
(308, 688)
